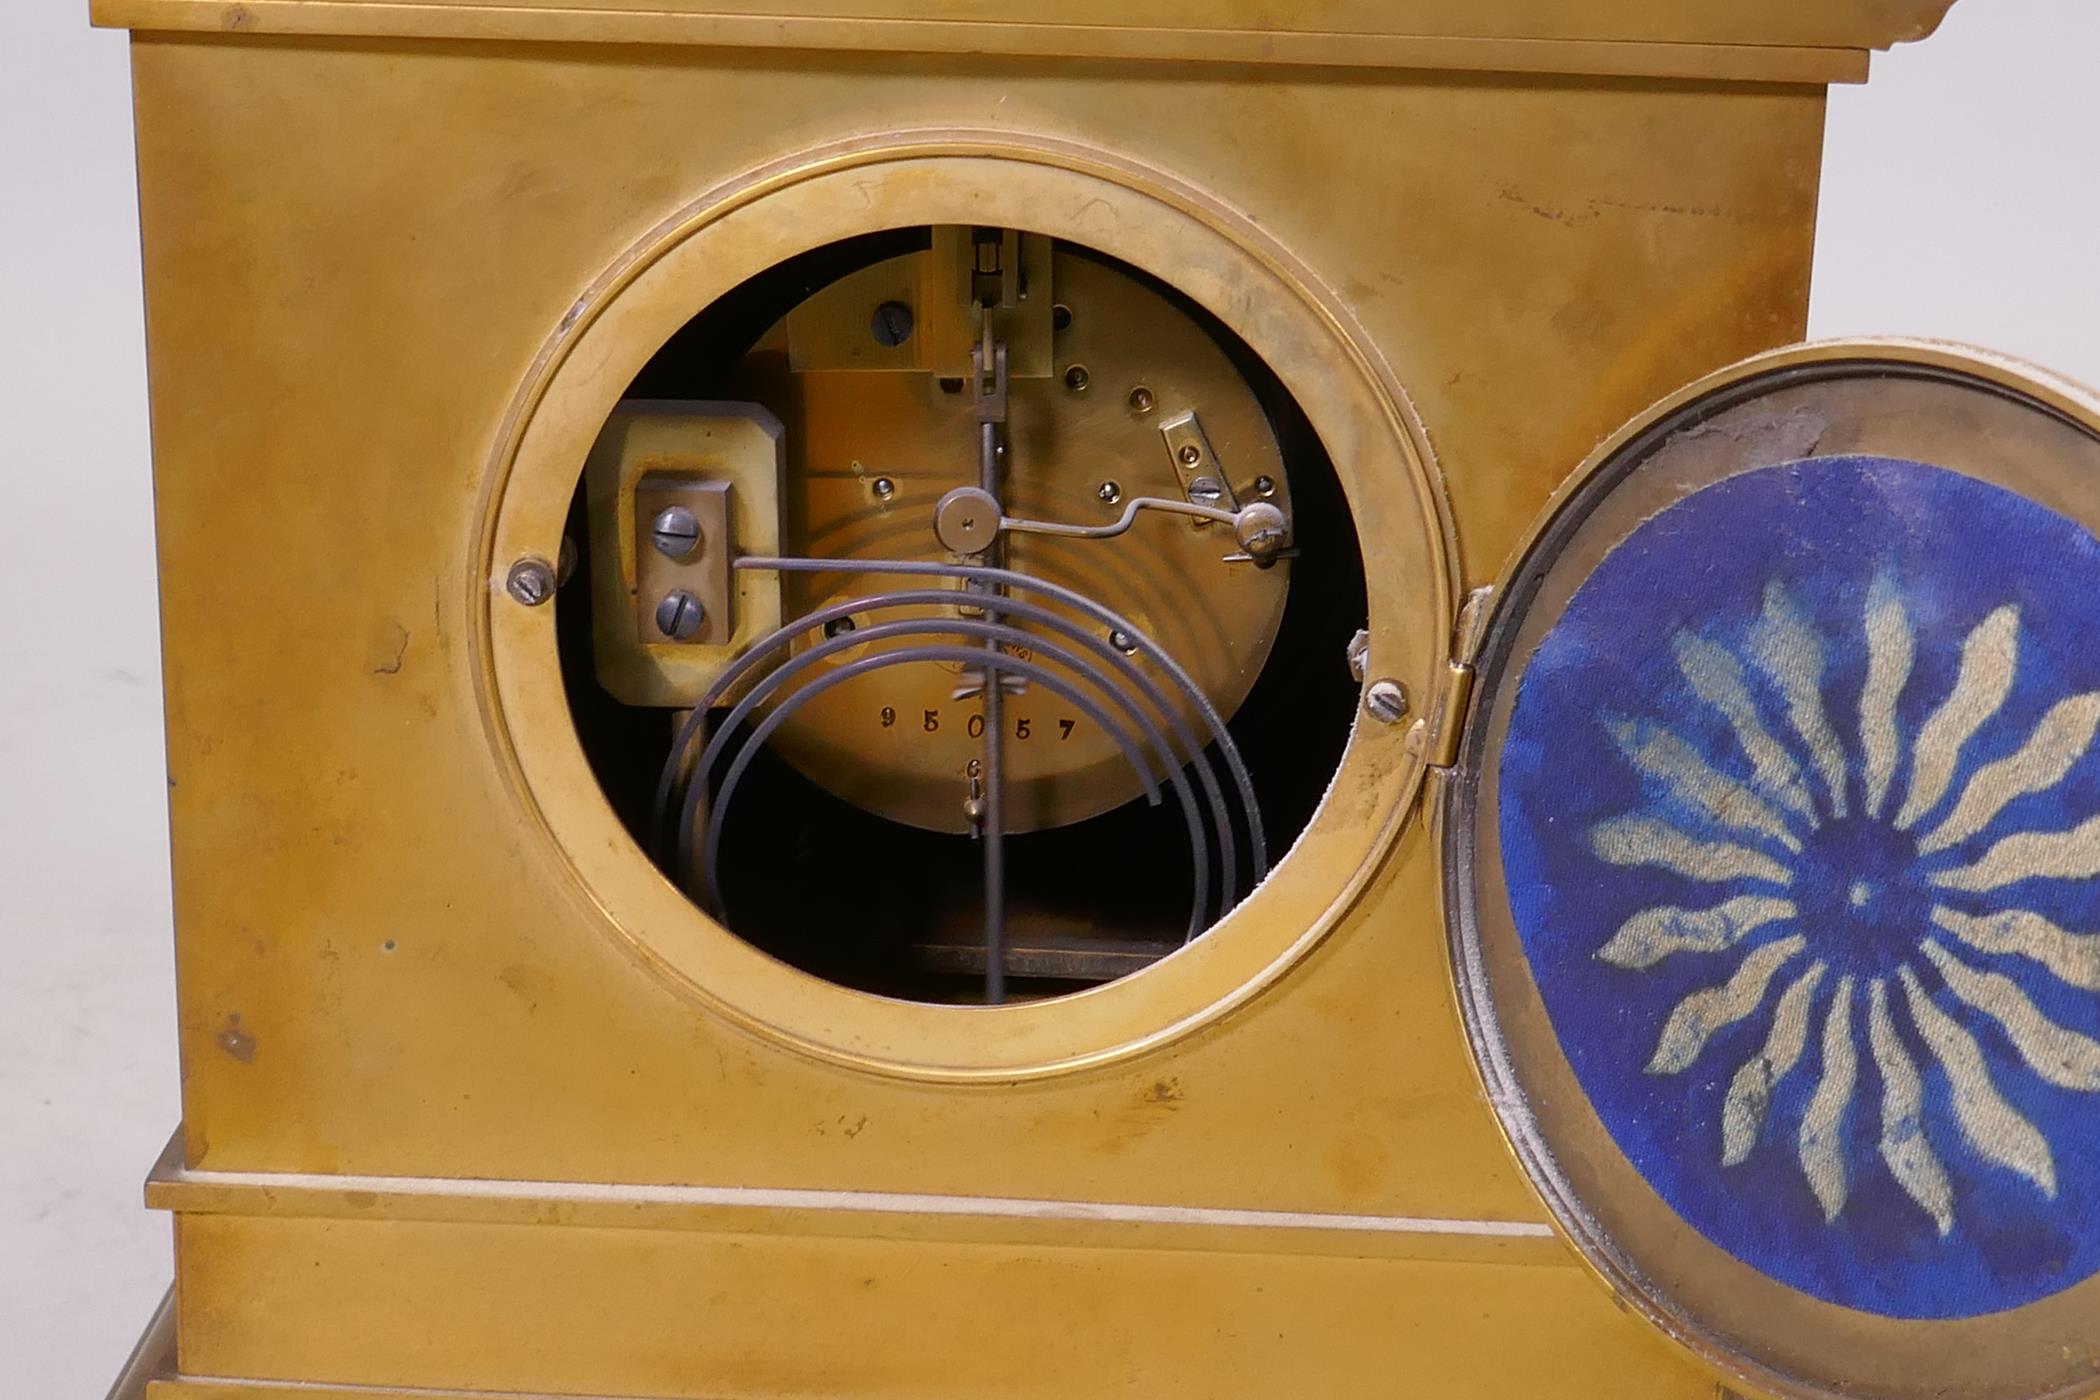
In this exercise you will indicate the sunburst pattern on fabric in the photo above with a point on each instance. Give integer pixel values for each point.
(1834, 878)
(1886, 863)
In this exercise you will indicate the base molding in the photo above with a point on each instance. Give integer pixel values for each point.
(221, 1388)
(373, 1288)
(866, 1215)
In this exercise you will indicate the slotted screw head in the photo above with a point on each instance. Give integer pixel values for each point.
(675, 532)
(679, 616)
(530, 582)
(1359, 655)
(1263, 546)
(1387, 701)
(892, 324)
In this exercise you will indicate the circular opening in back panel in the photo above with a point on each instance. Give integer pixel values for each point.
(961, 615)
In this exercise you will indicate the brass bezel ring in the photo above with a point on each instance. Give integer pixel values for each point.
(1217, 256)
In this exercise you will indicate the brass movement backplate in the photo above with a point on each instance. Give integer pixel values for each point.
(1104, 368)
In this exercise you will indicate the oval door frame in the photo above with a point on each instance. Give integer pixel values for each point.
(1813, 404)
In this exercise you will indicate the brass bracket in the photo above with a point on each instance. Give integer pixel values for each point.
(1202, 475)
(675, 492)
(938, 300)
(703, 572)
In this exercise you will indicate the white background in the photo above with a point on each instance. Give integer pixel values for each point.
(1959, 201)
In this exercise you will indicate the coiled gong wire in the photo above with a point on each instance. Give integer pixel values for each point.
(1102, 668)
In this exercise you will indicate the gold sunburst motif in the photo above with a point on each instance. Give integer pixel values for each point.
(1862, 871)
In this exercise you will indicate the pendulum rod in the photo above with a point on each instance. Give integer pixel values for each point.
(988, 388)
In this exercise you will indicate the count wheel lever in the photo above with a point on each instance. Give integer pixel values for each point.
(968, 520)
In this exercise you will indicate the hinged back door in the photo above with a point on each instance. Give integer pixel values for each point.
(1773, 870)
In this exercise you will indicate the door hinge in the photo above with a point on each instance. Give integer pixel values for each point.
(1441, 728)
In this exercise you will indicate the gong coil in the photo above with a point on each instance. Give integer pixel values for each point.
(1087, 664)
(1774, 871)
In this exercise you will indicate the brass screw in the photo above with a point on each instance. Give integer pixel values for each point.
(1190, 454)
(675, 532)
(679, 616)
(530, 582)
(1387, 701)
(1359, 655)
(892, 324)
(1076, 379)
(1141, 400)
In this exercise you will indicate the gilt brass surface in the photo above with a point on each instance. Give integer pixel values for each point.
(1799, 41)
(403, 259)
(820, 1315)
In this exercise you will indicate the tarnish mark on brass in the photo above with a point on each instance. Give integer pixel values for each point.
(392, 649)
(237, 1042)
(1795, 433)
